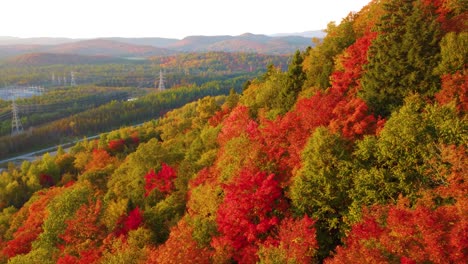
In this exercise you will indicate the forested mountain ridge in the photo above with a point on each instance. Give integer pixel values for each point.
(243, 43)
(92, 47)
(147, 47)
(355, 154)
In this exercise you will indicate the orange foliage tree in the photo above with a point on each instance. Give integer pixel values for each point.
(179, 248)
(32, 226)
(83, 235)
(295, 243)
(100, 160)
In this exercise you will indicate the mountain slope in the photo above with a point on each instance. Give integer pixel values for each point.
(286, 172)
(93, 47)
(155, 42)
(197, 43)
(145, 47)
(305, 34)
(243, 43)
(106, 48)
(15, 50)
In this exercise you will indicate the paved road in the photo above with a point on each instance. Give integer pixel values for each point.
(36, 154)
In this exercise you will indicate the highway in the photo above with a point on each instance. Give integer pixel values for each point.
(38, 153)
(32, 156)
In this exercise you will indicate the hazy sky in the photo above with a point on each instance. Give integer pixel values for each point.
(169, 18)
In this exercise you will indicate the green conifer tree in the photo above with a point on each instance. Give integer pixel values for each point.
(403, 56)
(295, 80)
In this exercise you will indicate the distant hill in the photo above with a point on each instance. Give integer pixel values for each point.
(36, 59)
(105, 47)
(150, 47)
(15, 50)
(197, 43)
(305, 34)
(155, 42)
(243, 43)
(93, 47)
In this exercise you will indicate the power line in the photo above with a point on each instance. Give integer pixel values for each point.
(5, 116)
(94, 99)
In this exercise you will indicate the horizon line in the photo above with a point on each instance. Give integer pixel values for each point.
(195, 35)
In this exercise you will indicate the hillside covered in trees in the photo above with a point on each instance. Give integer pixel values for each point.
(355, 154)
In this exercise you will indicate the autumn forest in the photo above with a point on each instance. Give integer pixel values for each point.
(355, 152)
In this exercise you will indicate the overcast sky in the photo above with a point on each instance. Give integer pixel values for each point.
(169, 18)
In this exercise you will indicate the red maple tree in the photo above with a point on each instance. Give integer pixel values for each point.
(163, 181)
(296, 240)
(129, 222)
(116, 145)
(249, 212)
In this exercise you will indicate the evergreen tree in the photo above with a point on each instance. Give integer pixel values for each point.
(295, 80)
(320, 189)
(454, 53)
(295, 73)
(403, 56)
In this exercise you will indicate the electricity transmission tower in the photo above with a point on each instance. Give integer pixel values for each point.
(16, 127)
(72, 77)
(161, 81)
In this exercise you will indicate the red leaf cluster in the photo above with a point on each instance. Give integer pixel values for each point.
(415, 235)
(202, 176)
(338, 108)
(162, 181)
(46, 180)
(129, 223)
(353, 119)
(447, 15)
(134, 139)
(454, 88)
(352, 61)
(219, 116)
(247, 213)
(88, 256)
(350, 115)
(116, 145)
(297, 239)
(237, 123)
